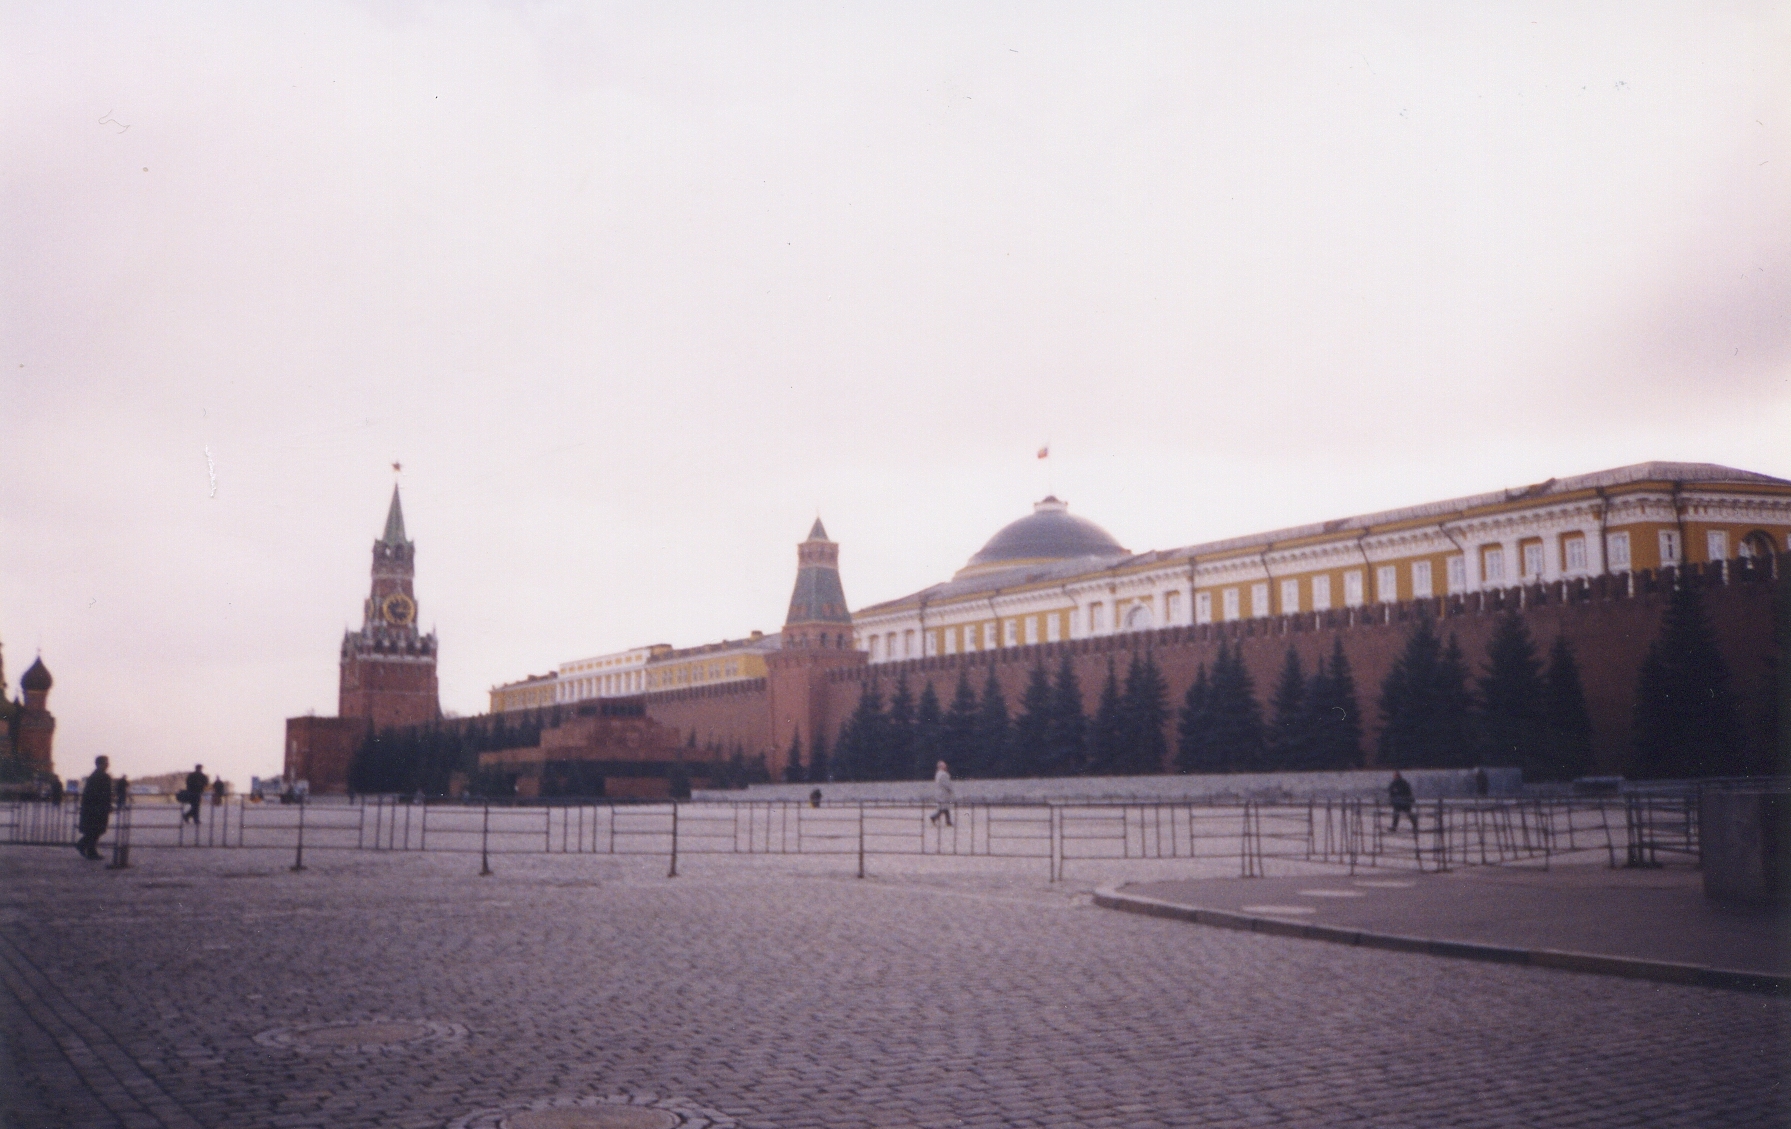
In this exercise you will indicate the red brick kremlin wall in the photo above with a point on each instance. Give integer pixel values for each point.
(1609, 622)
(726, 715)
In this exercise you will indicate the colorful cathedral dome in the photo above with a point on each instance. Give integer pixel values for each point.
(1049, 533)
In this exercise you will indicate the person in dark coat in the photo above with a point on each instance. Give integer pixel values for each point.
(96, 808)
(1399, 794)
(197, 782)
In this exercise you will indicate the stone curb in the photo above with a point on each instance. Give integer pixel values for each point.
(1633, 968)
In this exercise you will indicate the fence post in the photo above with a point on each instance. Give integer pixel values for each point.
(485, 845)
(1056, 818)
(298, 860)
(121, 841)
(1442, 839)
(1244, 842)
(861, 838)
(1548, 835)
(674, 871)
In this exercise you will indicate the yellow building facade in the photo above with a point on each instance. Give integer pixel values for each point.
(533, 692)
(731, 660)
(1052, 575)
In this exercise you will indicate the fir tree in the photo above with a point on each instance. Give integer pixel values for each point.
(898, 734)
(1290, 742)
(1566, 725)
(1067, 736)
(1511, 700)
(819, 771)
(859, 755)
(1193, 752)
(1145, 710)
(1686, 723)
(959, 742)
(1234, 718)
(1106, 751)
(992, 732)
(929, 735)
(1425, 704)
(1028, 747)
(1336, 718)
(793, 771)
(757, 771)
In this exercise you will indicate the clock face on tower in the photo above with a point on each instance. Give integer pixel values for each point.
(399, 609)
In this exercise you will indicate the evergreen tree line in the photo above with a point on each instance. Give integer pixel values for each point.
(1313, 724)
(1435, 711)
(732, 767)
(423, 758)
(978, 736)
(1517, 712)
(1520, 711)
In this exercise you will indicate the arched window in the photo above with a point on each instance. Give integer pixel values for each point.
(1756, 545)
(1139, 618)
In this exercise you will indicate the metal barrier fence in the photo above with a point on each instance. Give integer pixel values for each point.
(1248, 834)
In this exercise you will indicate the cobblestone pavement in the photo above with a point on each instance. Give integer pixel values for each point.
(754, 993)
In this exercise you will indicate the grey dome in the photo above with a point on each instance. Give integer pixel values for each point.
(1049, 533)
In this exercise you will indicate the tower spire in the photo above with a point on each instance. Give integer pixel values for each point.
(394, 534)
(818, 615)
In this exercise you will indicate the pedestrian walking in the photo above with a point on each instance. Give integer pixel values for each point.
(197, 782)
(941, 796)
(56, 790)
(1399, 793)
(217, 792)
(96, 808)
(1481, 784)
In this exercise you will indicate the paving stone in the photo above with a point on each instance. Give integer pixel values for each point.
(800, 997)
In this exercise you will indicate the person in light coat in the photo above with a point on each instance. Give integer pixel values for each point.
(941, 796)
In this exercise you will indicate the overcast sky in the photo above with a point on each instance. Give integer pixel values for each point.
(633, 291)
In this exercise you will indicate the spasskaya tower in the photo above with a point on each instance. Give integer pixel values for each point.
(388, 667)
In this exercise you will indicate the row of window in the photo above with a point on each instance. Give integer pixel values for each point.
(601, 686)
(894, 646)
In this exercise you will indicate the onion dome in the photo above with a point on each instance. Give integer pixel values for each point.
(1050, 533)
(37, 677)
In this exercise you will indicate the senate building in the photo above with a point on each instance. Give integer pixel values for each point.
(1587, 559)
(1054, 575)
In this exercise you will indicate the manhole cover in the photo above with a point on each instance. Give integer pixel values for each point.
(365, 1035)
(594, 1117)
(616, 1111)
